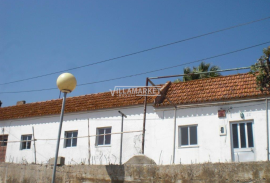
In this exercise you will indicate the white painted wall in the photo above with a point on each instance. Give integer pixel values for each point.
(212, 147)
(159, 135)
(47, 128)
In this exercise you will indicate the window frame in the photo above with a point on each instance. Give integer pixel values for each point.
(239, 138)
(3, 140)
(179, 136)
(97, 136)
(26, 141)
(71, 138)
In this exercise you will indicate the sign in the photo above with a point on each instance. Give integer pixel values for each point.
(221, 113)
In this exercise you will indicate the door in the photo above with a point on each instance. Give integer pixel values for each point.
(242, 142)
(3, 147)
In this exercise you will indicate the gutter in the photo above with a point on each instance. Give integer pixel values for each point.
(169, 108)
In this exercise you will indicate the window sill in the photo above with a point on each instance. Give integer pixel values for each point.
(244, 149)
(184, 147)
(70, 147)
(25, 149)
(103, 146)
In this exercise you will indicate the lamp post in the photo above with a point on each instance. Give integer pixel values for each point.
(66, 83)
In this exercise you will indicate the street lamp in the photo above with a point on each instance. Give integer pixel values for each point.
(66, 83)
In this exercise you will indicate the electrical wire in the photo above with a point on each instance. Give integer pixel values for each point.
(142, 73)
(36, 139)
(138, 52)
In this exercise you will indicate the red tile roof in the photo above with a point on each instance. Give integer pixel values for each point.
(73, 104)
(224, 88)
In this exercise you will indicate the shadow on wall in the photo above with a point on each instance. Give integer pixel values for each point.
(116, 173)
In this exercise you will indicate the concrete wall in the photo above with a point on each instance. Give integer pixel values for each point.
(212, 147)
(197, 173)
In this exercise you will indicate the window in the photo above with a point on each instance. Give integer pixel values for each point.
(3, 140)
(102, 138)
(242, 135)
(188, 136)
(71, 140)
(26, 142)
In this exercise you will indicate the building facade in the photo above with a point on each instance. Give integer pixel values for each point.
(220, 119)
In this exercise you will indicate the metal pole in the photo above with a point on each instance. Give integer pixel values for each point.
(121, 140)
(2, 144)
(89, 150)
(144, 116)
(59, 135)
(267, 130)
(34, 145)
(122, 124)
(174, 134)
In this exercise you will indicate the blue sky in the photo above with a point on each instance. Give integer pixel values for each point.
(40, 37)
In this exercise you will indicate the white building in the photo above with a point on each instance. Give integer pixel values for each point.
(217, 120)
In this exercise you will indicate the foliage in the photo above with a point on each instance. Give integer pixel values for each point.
(203, 67)
(261, 70)
(177, 80)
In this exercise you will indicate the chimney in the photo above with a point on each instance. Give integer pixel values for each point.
(21, 102)
(0, 103)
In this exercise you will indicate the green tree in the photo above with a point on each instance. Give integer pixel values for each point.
(261, 70)
(191, 74)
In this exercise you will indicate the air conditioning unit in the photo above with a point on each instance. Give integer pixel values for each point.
(60, 161)
(222, 130)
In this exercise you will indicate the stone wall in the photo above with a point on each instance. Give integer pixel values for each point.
(218, 172)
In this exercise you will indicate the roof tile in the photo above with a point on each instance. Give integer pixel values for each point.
(73, 104)
(214, 89)
(222, 88)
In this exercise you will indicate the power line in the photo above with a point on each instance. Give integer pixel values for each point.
(36, 139)
(138, 52)
(197, 73)
(147, 72)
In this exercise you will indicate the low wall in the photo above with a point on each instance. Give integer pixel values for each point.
(219, 172)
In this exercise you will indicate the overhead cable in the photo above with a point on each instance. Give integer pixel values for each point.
(143, 73)
(138, 52)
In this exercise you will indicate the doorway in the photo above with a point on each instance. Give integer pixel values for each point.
(3, 147)
(242, 141)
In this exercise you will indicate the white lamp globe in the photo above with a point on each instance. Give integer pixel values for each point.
(66, 82)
